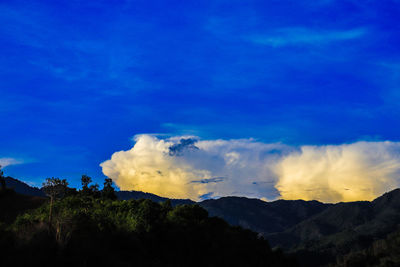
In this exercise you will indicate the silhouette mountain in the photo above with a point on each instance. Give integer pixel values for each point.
(13, 204)
(22, 188)
(126, 195)
(25, 189)
(341, 229)
(315, 232)
(344, 221)
(257, 215)
(260, 216)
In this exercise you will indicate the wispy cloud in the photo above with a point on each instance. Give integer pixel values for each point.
(305, 36)
(9, 161)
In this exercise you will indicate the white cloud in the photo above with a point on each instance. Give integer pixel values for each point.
(350, 172)
(302, 36)
(241, 166)
(183, 167)
(9, 161)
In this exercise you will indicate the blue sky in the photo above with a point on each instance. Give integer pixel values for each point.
(78, 79)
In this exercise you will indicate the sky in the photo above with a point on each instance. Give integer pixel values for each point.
(294, 99)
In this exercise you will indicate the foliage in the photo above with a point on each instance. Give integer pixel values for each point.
(85, 180)
(2, 180)
(89, 231)
(108, 190)
(55, 187)
(383, 252)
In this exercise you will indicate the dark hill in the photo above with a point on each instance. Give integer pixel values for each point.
(343, 227)
(89, 231)
(315, 232)
(12, 204)
(126, 195)
(23, 188)
(383, 252)
(260, 216)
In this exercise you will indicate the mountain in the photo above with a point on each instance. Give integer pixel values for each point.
(382, 252)
(126, 195)
(23, 188)
(257, 215)
(260, 216)
(96, 231)
(342, 228)
(316, 233)
(12, 204)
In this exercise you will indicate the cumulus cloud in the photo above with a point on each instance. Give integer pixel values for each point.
(187, 167)
(350, 172)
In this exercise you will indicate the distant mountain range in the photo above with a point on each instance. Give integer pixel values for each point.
(25, 189)
(126, 195)
(22, 188)
(308, 228)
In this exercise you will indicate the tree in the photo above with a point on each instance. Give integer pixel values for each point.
(54, 188)
(85, 180)
(108, 190)
(2, 180)
(94, 191)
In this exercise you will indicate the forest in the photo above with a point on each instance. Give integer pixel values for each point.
(57, 225)
(90, 227)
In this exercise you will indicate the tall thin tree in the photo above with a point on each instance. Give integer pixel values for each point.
(85, 180)
(2, 180)
(54, 188)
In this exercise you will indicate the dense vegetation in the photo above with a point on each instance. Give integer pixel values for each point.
(383, 252)
(343, 231)
(91, 228)
(260, 216)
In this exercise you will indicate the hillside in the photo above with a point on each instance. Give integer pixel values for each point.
(22, 188)
(343, 227)
(257, 215)
(260, 216)
(316, 233)
(12, 204)
(89, 231)
(126, 195)
(382, 252)
(25, 189)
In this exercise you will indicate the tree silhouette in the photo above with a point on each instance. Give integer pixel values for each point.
(108, 190)
(2, 180)
(85, 180)
(94, 191)
(54, 188)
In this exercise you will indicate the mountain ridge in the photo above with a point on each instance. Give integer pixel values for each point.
(315, 232)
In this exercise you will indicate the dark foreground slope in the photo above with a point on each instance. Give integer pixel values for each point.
(382, 252)
(25, 189)
(126, 195)
(22, 188)
(86, 231)
(317, 234)
(260, 216)
(342, 228)
(12, 204)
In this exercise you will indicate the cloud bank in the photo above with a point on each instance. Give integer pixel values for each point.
(187, 167)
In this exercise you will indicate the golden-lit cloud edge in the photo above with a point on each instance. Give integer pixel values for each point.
(187, 167)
